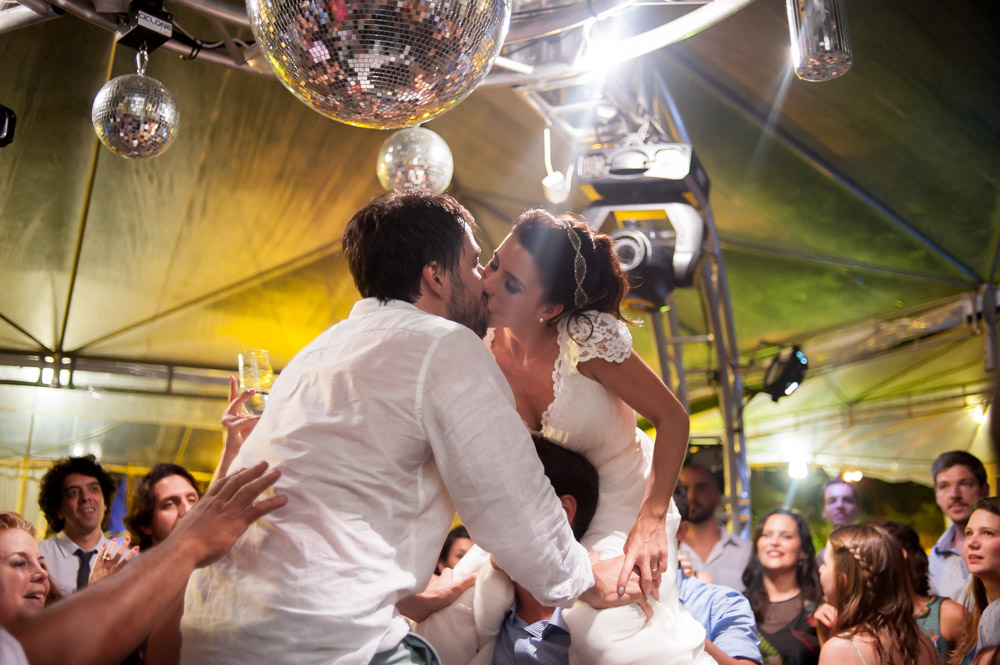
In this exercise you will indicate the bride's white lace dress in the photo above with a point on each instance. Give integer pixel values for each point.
(587, 418)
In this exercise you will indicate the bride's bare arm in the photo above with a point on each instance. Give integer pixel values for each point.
(635, 383)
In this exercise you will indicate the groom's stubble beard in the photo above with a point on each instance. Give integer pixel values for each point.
(465, 308)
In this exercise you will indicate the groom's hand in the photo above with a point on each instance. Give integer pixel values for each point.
(607, 593)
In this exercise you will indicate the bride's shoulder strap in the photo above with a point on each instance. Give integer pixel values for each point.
(599, 335)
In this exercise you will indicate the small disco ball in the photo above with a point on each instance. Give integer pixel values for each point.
(415, 158)
(135, 116)
(381, 64)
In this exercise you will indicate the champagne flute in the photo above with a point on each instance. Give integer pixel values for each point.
(256, 373)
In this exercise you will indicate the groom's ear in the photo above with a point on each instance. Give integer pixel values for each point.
(431, 279)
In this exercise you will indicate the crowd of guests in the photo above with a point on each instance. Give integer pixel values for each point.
(868, 596)
(416, 406)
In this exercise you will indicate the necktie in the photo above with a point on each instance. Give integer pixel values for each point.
(83, 572)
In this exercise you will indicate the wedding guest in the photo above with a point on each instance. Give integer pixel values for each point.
(784, 589)
(25, 588)
(709, 547)
(74, 495)
(959, 482)
(941, 619)
(105, 622)
(455, 546)
(162, 497)
(730, 629)
(865, 577)
(981, 642)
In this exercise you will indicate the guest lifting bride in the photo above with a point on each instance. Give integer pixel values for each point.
(555, 290)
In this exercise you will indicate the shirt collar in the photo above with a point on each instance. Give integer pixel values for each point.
(943, 544)
(367, 306)
(67, 547)
(556, 621)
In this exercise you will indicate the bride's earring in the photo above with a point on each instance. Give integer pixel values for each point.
(541, 320)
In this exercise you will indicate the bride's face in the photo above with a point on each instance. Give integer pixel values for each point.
(514, 289)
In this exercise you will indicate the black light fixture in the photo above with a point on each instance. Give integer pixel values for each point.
(785, 373)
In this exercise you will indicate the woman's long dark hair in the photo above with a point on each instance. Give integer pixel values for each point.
(806, 576)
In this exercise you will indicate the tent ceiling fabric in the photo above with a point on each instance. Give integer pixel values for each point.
(871, 193)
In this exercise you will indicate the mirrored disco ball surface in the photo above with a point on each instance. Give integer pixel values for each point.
(135, 116)
(415, 158)
(380, 64)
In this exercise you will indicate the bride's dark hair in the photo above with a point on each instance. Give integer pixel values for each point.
(546, 237)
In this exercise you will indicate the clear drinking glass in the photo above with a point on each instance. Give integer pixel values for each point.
(256, 373)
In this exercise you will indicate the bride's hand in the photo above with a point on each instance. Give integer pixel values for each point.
(645, 552)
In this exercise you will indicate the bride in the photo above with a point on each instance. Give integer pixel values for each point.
(555, 289)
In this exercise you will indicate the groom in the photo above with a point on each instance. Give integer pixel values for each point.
(382, 426)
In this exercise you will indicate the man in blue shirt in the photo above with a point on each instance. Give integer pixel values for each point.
(533, 634)
(959, 482)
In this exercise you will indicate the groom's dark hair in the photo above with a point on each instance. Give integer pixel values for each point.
(570, 473)
(390, 240)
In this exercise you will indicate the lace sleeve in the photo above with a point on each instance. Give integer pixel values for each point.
(600, 335)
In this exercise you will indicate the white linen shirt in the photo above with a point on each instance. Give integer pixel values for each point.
(63, 565)
(378, 426)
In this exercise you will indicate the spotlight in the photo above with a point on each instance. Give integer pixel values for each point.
(785, 373)
(646, 257)
(798, 469)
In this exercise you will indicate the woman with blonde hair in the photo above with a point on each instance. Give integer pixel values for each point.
(865, 576)
(25, 588)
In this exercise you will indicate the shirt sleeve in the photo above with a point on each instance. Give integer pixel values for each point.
(597, 335)
(488, 463)
(732, 627)
(989, 626)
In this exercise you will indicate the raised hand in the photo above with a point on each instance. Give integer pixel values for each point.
(236, 425)
(221, 516)
(110, 557)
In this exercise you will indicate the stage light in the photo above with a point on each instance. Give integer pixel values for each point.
(798, 469)
(980, 413)
(851, 476)
(785, 373)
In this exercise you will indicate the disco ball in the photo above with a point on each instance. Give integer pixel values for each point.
(381, 64)
(415, 158)
(135, 116)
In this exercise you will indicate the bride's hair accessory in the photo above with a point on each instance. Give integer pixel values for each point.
(579, 267)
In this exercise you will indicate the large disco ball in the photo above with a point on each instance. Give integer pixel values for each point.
(415, 158)
(135, 116)
(381, 64)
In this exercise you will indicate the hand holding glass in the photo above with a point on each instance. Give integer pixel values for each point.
(256, 373)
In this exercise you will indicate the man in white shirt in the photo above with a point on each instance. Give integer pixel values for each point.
(710, 548)
(382, 427)
(959, 482)
(74, 495)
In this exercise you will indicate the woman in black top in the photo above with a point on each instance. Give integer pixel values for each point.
(783, 587)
